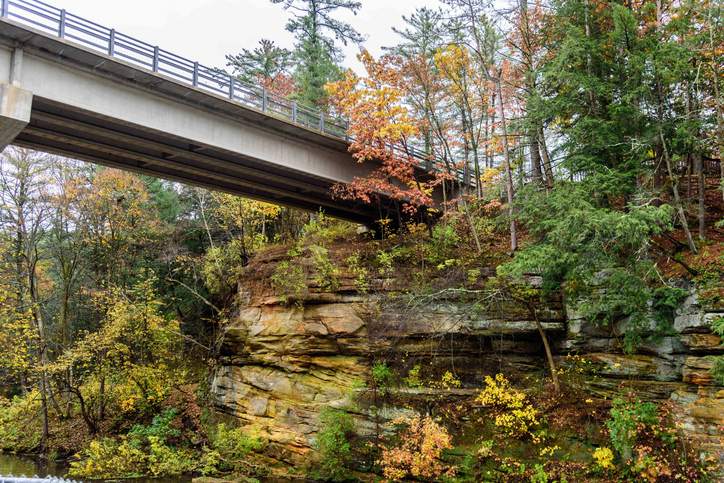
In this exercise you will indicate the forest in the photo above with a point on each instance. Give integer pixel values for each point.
(558, 315)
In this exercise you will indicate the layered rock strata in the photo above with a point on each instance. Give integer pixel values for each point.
(282, 363)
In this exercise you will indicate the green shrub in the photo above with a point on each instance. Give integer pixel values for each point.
(626, 419)
(361, 275)
(108, 458)
(539, 474)
(164, 460)
(382, 376)
(326, 273)
(19, 423)
(231, 446)
(333, 445)
(144, 450)
(160, 428)
(221, 266)
(385, 262)
(442, 246)
(324, 230)
(289, 281)
(413, 377)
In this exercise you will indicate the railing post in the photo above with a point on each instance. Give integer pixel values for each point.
(112, 43)
(61, 25)
(195, 79)
(294, 111)
(231, 87)
(321, 121)
(5, 7)
(155, 59)
(263, 99)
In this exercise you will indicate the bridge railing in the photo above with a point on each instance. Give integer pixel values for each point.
(65, 25)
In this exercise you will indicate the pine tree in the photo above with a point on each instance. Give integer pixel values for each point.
(266, 61)
(316, 54)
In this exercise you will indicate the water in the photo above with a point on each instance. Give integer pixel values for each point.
(19, 465)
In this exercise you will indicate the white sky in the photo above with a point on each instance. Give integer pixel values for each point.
(206, 30)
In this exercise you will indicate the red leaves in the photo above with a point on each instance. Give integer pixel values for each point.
(381, 127)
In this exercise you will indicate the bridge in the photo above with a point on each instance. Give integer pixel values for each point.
(72, 87)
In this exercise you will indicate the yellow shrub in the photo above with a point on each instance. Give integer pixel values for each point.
(514, 414)
(449, 381)
(603, 458)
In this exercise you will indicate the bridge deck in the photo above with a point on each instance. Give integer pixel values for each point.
(92, 102)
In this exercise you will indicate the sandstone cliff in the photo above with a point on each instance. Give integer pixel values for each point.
(282, 363)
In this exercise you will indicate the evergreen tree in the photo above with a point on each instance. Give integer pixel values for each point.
(316, 31)
(266, 61)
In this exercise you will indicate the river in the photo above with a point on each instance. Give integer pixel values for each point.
(18, 466)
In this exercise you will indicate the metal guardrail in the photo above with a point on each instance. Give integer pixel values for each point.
(35, 479)
(66, 25)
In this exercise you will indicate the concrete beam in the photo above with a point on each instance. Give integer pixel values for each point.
(15, 107)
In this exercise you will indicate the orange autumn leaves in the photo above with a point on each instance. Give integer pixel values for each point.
(381, 128)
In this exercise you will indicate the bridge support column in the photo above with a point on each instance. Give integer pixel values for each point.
(15, 102)
(15, 107)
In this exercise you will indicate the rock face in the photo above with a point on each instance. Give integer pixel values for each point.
(281, 364)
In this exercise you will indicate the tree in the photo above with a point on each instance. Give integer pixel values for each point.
(267, 64)
(130, 352)
(116, 217)
(316, 31)
(381, 127)
(24, 212)
(599, 256)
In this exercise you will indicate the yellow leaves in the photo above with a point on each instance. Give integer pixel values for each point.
(603, 458)
(514, 414)
(453, 61)
(449, 381)
(491, 176)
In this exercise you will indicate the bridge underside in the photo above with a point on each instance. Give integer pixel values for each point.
(58, 129)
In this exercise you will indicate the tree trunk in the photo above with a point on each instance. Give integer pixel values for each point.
(677, 198)
(547, 166)
(701, 194)
(549, 353)
(508, 173)
(535, 159)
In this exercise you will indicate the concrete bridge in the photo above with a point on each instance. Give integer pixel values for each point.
(72, 87)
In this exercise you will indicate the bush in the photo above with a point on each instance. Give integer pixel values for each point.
(160, 428)
(108, 458)
(515, 416)
(442, 245)
(230, 448)
(326, 273)
(20, 429)
(289, 281)
(420, 445)
(144, 450)
(361, 275)
(603, 457)
(413, 377)
(449, 381)
(333, 445)
(627, 420)
(324, 230)
(382, 376)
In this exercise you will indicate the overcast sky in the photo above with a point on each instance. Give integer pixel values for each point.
(206, 30)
